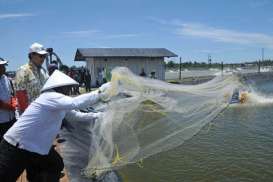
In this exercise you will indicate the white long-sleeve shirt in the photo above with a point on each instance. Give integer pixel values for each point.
(36, 129)
(81, 116)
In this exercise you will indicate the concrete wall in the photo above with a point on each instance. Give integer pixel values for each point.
(134, 64)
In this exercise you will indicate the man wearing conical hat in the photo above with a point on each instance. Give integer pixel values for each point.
(29, 140)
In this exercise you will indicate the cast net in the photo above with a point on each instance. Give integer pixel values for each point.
(152, 116)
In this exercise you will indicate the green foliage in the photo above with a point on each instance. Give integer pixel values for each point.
(171, 64)
(191, 64)
(195, 65)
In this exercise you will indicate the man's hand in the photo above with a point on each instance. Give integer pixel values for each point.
(104, 91)
(98, 115)
(7, 106)
(13, 102)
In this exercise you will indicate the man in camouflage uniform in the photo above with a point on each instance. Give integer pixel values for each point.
(31, 77)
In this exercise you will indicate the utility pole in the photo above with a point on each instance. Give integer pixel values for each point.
(209, 60)
(259, 66)
(180, 68)
(259, 63)
(262, 55)
(222, 68)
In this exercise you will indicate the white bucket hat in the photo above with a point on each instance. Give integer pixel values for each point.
(58, 79)
(37, 48)
(3, 62)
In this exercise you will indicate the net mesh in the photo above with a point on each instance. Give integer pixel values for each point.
(152, 116)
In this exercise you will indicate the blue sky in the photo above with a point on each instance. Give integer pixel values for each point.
(229, 30)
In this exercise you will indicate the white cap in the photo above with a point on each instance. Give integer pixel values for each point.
(58, 79)
(37, 48)
(2, 61)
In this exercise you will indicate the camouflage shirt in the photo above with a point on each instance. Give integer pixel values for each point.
(30, 78)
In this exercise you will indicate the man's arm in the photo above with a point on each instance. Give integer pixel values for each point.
(81, 116)
(62, 102)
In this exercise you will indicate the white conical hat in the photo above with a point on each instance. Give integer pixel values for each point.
(58, 79)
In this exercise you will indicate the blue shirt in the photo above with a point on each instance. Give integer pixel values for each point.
(5, 96)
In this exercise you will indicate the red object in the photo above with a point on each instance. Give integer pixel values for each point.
(22, 99)
(13, 102)
(6, 106)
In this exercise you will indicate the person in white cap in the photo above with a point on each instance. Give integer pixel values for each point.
(29, 140)
(7, 100)
(29, 80)
(31, 77)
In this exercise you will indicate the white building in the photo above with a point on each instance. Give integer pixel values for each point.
(151, 60)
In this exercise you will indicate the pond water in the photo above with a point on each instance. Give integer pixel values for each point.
(236, 146)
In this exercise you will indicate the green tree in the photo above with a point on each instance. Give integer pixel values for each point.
(170, 64)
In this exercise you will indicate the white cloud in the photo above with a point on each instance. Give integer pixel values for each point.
(103, 46)
(158, 20)
(114, 36)
(220, 50)
(97, 34)
(15, 15)
(206, 51)
(174, 22)
(197, 30)
(81, 33)
(224, 35)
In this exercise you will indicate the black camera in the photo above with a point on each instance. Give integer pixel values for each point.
(49, 50)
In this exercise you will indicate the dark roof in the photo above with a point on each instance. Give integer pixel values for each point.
(83, 53)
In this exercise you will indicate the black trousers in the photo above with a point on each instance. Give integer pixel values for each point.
(5, 126)
(43, 167)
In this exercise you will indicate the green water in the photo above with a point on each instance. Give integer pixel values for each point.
(236, 146)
